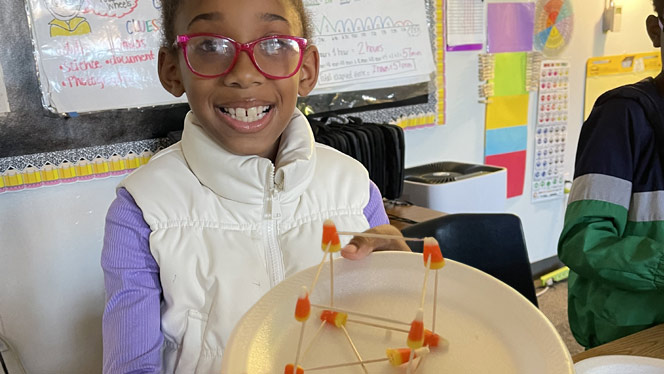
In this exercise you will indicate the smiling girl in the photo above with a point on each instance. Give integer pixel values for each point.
(210, 224)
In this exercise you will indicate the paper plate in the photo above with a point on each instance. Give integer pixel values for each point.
(490, 327)
(620, 364)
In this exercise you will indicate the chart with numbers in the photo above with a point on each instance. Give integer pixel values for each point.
(368, 44)
(551, 130)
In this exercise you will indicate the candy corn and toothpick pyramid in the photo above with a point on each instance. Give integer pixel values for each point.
(419, 341)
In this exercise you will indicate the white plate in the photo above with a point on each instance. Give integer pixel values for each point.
(620, 364)
(490, 327)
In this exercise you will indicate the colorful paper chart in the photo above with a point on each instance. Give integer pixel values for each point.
(510, 74)
(510, 27)
(554, 23)
(515, 163)
(506, 137)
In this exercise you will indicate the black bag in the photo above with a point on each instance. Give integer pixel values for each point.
(379, 147)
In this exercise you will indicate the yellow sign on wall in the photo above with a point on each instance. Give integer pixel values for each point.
(608, 72)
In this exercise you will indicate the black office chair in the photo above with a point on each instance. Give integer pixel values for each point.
(491, 242)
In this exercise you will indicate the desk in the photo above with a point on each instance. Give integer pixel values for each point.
(402, 216)
(648, 343)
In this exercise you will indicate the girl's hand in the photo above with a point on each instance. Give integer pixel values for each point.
(359, 247)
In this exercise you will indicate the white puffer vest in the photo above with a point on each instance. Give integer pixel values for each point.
(227, 228)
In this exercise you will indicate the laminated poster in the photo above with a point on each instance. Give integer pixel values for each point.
(370, 44)
(548, 180)
(97, 54)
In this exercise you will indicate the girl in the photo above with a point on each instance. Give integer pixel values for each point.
(199, 234)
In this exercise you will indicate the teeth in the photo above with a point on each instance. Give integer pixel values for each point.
(247, 115)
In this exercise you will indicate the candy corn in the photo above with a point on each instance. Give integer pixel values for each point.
(290, 369)
(337, 319)
(432, 249)
(416, 333)
(402, 355)
(330, 237)
(303, 306)
(431, 339)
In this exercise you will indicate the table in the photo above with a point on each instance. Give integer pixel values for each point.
(648, 343)
(404, 215)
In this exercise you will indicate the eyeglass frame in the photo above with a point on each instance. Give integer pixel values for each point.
(182, 40)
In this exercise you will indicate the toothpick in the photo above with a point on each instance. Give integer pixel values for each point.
(435, 302)
(299, 345)
(357, 354)
(379, 236)
(331, 280)
(377, 325)
(424, 286)
(320, 266)
(349, 312)
(313, 339)
(418, 364)
(347, 364)
(410, 362)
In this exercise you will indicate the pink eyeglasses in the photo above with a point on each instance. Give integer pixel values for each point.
(211, 55)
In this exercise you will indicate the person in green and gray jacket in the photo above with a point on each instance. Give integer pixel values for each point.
(613, 236)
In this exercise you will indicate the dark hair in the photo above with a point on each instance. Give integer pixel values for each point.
(169, 9)
(659, 6)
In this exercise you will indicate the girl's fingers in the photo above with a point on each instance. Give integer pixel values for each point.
(360, 247)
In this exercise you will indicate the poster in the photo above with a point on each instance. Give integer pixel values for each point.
(551, 131)
(97, 54)
(369, 44)
(608, 72)
(465, 25)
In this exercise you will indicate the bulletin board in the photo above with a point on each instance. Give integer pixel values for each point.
(94, 102)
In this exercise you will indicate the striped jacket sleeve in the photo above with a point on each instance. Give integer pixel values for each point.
(607, 234)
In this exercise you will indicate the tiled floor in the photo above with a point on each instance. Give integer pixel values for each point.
(553, 303)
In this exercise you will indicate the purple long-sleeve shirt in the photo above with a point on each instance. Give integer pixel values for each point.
(131, 324)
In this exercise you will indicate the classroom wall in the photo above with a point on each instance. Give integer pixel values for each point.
(462, 138)
(51, 294)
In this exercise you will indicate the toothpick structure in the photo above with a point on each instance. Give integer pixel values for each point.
(419, 339)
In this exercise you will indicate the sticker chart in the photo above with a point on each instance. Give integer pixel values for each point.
(370, 44)
(465, 25)
(551, 131)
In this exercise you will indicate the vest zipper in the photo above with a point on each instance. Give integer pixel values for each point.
(274, 257)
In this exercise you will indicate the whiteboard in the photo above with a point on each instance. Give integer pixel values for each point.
(95, 55)
(370, 44)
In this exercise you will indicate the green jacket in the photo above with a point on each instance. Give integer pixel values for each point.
(613, 236)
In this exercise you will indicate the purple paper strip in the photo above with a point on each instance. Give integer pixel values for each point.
(464, 47)
(510, 27)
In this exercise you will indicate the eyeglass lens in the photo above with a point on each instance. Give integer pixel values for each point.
(209, 55)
